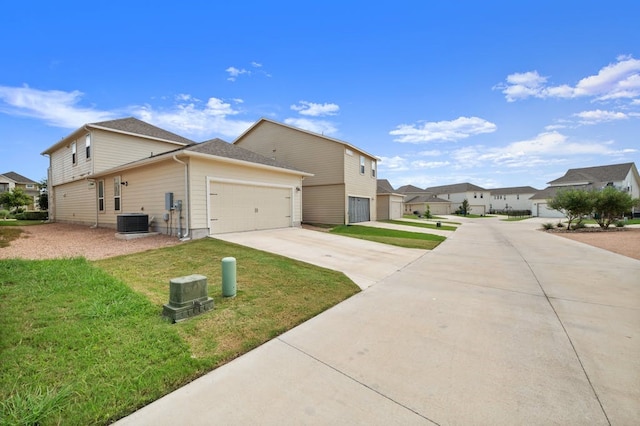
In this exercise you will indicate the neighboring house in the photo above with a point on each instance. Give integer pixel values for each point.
(343, 187)
(389, 203)
(417, 200)
(478, 198)
(12, 180)
(513, 198)
(120, 167)
(621, 176)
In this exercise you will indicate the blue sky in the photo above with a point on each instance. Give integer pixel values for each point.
(498, 94)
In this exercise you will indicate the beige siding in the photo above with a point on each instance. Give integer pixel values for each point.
(63, 169)
(389, 206)
(358, 184)
(75, 202)
(324, 204)
(115, 149)
(303, 151)
(144, 193)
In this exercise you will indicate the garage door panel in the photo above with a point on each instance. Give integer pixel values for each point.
(236, 207)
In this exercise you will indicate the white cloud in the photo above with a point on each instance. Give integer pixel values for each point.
(449, 131)
(193, 119)
(317, 126)
(599, 116)
(431, 153)
(56, 107)
(393, 164)
(235, 72)
(315, 110)
(614, 81)
(429, 164)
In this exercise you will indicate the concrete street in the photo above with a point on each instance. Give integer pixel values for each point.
(502, 324)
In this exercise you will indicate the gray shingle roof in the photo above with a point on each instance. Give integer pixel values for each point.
(427, 198)
(384, 187)
(513, 190)
(18, 178)
(410, 189)
(221, 148)
(138, 127)
(455, 188)
(551, 191)
(612, 173)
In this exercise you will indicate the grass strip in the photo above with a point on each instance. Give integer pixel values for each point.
(428, 225)
(390, 236)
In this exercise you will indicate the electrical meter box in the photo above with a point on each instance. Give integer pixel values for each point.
(168, 201)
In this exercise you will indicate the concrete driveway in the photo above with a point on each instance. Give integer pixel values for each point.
(500, 325)
(364, 262)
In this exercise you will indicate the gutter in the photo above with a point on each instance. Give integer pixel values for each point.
(185, 237)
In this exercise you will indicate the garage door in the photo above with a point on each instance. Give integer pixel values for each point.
(544, 211)
(358, 209)
(237, 207)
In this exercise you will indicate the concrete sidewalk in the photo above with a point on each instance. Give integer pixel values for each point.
(502, 324)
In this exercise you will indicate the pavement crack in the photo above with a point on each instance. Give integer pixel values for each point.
(342, 373)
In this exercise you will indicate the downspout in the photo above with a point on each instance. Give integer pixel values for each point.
(186, 199)
(95, 225)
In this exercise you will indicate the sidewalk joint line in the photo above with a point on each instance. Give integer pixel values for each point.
(358, 382)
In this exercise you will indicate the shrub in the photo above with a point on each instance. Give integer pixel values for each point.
(578, 225)
(4, 214)
(20, 216)
(560, 225)
(548, 226)
(41, 215)
(620, 224)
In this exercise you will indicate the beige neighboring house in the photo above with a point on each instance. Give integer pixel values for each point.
(478, 198)
(107, 172)
(343, 187)
(621, 176)
(419, 200)
(12, 180)
(513, 198)
(389, 203)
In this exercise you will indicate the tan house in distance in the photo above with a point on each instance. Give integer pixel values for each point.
(343, 187)
(389, 203)
(109, 171)
(12, 180)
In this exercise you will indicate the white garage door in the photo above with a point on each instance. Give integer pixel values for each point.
(543, 210)
(235, 207)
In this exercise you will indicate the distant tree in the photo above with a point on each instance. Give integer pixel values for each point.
(573, 203)
(43, 198)
(427, 213)
(611, 204)
(15, 198)
(464, 207)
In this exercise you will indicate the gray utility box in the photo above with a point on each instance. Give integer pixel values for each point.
(188, 297)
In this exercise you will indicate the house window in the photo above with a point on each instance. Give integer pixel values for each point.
(73, 153)
(373, 169)
(101, 195)
(87, 145)
(475, 195)
(361, 165)
(116, 193)
(30, 186)
(481, 195)
(517, 196)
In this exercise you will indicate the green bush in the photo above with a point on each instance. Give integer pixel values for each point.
(620, 224)
(548, 226)
(560, 225)
(4, 214)
(578, 225)
(41, 215)
(20, 216)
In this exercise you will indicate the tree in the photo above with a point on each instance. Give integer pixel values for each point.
(43, 198)
(573, 203)
(611, 204)
(15, 198)
(464, 207)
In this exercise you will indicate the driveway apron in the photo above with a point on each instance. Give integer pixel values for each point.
(502, 324)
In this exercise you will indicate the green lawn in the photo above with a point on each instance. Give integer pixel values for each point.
(388, 236)
(429, 225)
(84, 342)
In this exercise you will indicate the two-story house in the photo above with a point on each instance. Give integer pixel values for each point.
(513, 198)
(343, 187)
(12, 180)
(477, 197)
(621, 176)
(111, 169)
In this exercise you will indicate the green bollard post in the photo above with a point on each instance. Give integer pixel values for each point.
(229, 277)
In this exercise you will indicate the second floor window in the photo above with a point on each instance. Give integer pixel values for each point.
(373, 169)
(87, 145)
(361, 165)
(74, 154)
